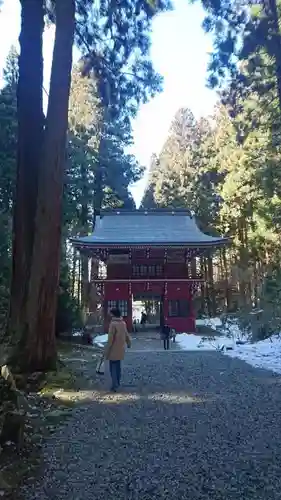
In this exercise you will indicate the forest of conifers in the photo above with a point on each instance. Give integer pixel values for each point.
(225, 168)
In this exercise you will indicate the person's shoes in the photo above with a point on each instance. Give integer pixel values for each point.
(113, 389)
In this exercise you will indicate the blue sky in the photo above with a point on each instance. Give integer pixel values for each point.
(179, 52)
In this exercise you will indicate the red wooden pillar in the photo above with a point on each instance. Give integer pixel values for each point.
(166, 304)
(192, 289)
(106, 318)
(129, 319)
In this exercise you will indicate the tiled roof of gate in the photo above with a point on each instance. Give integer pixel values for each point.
(151, 227)
(147, 227)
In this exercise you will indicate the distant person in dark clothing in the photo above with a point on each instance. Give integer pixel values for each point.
(135, 326)
(143, 318)
(166, 331)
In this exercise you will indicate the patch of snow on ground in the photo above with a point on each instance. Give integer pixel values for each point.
(264, 354)
(211, 322)
(190, 342)
(228, 328)
(100, 340)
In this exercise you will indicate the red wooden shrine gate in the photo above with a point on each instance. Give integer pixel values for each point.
(148, 254)
(147, 274)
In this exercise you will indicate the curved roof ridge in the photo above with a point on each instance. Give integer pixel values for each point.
(146, 211)
(148, 228)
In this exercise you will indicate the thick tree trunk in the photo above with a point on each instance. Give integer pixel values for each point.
(30, 134)
(40, 347)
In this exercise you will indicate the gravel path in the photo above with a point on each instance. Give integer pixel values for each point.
(185, 426)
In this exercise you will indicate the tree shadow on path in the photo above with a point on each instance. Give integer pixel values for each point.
(184, 426)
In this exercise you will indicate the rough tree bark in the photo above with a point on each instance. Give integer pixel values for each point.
(40, 344)
(30, 134)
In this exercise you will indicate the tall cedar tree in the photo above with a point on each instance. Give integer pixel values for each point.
(30, 134)
(116, 45)
(41, 157)
(40, 344)
(241, 29)
(120, 169)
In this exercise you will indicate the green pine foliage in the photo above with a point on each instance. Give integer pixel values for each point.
(115, 75)
(232, 186)
(69, 316)
(226, 169)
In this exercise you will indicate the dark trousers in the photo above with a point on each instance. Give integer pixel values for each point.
(166, 344)
(115, 372)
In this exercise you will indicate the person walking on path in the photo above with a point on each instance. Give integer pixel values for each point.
(166, 336)
(118, 337)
